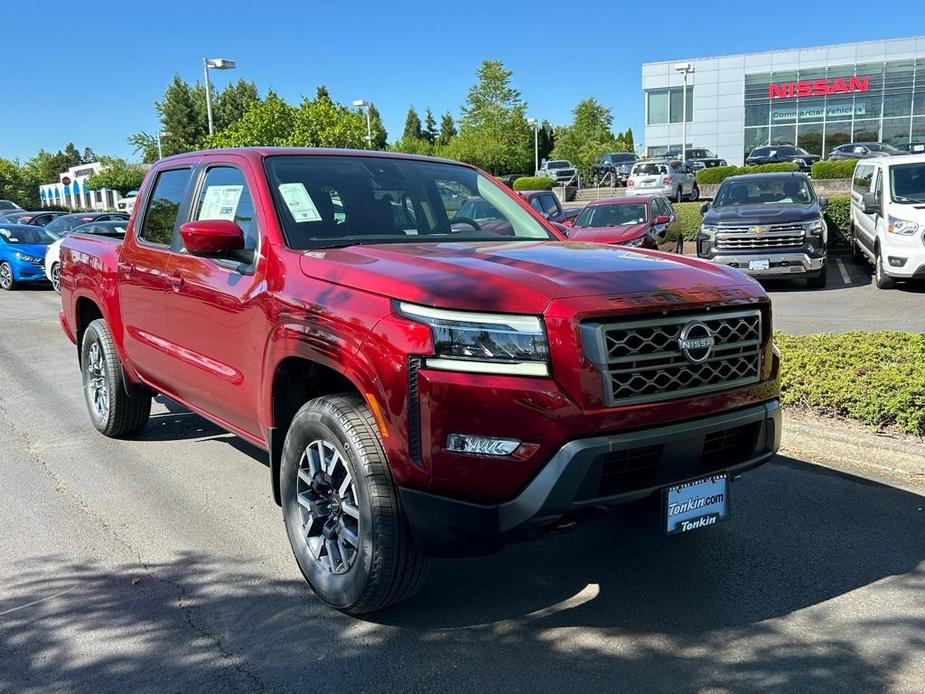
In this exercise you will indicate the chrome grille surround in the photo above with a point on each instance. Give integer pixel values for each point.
(641, 360)
(741, 237)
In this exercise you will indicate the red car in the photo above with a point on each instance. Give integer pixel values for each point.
(625, 221)
(422, 386)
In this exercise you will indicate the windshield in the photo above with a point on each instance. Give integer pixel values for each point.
(612, 215)
(27, 234)
(7, 205)
(104, 228)
(881, 147)
(623, 157)
(67, 223)
(558, 164)
(649, 169)
(764, 191)
(907, 183)
(331, 201)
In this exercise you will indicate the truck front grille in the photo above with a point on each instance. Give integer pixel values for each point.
(648, 360)
(734, 238)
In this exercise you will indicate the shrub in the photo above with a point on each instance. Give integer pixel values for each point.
(533, 183)
(834, 169)
(877, 378)
(718, 174)
(838, 219)
(689, 219)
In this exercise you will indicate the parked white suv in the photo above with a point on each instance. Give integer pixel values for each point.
(888, 217)
(667, 177)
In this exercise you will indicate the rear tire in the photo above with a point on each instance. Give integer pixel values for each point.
(695, 194)
(7, 281)
(882, 280)
(56, 277)
(342, 511)
(112, 410)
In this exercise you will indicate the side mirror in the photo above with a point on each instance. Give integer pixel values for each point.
(704, 206)
(212, 237)
(823, 202)
(662, 219)
(870, 204)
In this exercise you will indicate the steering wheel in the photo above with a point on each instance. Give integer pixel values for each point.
(448, 225)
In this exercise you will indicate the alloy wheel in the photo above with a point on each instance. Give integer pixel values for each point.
(329, 513)
(6, 276)
(56, 277)
(97, 388)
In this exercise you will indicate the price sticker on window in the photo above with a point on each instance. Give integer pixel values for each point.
(220, 202)
(299, 202)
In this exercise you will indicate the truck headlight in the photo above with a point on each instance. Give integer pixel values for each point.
(901, 226)
(814, 227)
(491, 343)
(708, 229)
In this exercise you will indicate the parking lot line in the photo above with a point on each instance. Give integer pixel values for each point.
(845, 275)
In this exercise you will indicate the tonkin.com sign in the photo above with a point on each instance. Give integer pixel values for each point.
(827, 112)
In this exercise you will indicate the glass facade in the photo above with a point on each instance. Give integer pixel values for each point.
(822, 108)
(667, 105)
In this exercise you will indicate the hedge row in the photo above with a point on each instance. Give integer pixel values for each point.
(834, 169)
(838, 218)
(718, 174)
(534, 183)
(877, 378)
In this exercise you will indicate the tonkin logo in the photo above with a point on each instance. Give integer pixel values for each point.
(841, 85)
(696, 342)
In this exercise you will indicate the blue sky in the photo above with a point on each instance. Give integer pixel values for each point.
(90, 72)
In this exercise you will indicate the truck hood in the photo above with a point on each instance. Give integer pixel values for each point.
(615, 234)
(510, 276)
(762, 214)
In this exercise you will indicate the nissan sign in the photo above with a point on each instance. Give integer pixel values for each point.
(840, 85)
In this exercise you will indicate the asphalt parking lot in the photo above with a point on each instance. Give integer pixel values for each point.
(850, 301)
(161, 564)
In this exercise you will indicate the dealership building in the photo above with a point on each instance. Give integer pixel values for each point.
(816, 98)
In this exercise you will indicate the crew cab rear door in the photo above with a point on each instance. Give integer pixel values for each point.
(142, 270)
(216, 325)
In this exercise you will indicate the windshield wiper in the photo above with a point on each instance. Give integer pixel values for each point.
(903, 200)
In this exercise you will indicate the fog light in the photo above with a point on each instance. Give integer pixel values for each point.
(481, 445)
(896, 261)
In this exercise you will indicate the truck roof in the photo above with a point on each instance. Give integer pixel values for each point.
(261, 152)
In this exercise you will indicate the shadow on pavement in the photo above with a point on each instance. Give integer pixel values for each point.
(615, 606)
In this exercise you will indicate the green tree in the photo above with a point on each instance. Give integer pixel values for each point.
(429, 132)
(412, 129)
(546, 138)
(447, 130)
(322, 122)
(380, 136)
(117, 174)
(17, 185)
(232, 102)
(494, 133)
(588, 137)
(182, 113)
(268, 123)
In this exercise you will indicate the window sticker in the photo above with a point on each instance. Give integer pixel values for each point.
(220, 202)
(299, 202)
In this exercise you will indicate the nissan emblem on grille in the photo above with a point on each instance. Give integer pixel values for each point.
(696, 342)
(667, 356)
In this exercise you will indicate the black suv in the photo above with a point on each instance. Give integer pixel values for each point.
(697, 158)
(768, 225)
(781, 154)
(619, 164)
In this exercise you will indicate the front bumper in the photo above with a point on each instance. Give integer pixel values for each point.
(28, 272)
(606, 470)
(779, 263)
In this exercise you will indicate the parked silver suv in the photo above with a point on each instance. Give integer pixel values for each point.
(562, 171)
(666, 177)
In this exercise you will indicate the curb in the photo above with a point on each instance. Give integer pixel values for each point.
(853, 448)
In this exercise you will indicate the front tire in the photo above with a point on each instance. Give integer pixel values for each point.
(56, 277)
(695, 194)
(7, 281)
(857, 255)
(817, 280)
(112, 410)
(882, 280)
(342, 511)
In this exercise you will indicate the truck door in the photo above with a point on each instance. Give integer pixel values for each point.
(867, 223)
(142, 270)
(217, 328)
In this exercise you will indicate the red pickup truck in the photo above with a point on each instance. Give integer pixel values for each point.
(423, 386)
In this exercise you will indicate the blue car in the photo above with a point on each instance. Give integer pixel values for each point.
(22, 254)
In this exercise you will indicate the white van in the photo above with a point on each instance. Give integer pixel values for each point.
(888, 217)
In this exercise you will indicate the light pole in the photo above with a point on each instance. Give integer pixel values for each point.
(536, 143)
(685, 69)
(160, 152)
(363, 106)
(214, 64)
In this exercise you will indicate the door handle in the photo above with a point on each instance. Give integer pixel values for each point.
(176, 281)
